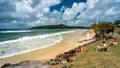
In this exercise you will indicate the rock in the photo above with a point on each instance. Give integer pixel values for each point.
(27, 64)
(63, 61)
(51, 62)
(6, 65)
(69, 60)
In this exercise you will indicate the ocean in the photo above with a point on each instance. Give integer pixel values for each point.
(14, 42)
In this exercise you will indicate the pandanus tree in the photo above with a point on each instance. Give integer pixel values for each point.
(101, 28)
(117, 22)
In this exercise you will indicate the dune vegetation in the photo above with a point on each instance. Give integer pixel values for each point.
(98, 59)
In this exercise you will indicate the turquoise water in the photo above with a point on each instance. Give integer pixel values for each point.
(13, 42)
(15, 34)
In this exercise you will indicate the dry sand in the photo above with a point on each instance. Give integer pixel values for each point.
(70, 41)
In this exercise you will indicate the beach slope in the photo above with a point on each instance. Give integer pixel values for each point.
(70, 41)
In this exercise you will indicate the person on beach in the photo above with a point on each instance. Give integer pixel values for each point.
(104, 47)
(113, 42)
(99, 48)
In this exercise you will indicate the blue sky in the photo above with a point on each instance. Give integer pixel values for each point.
(28, 13)
(66, 3)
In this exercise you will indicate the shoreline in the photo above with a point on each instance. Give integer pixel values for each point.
(42, 36)
(27, 51)
(70, 41)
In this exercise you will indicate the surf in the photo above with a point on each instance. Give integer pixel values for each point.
(15, 31)
(29, 43)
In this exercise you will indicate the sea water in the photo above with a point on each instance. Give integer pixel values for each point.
(14, 42)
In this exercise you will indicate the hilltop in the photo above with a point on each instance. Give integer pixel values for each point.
(59, 26)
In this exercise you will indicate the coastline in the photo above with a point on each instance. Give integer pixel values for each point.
(70, 41)
(58, 35)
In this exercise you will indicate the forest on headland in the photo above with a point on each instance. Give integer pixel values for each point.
(59, 26)
(63, 26)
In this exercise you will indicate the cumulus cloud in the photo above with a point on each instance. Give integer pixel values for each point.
(70, 13)
(24, 12)
(100, 10)
(29, 13)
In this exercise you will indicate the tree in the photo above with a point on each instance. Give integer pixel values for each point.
(117, 22)
(102, 27)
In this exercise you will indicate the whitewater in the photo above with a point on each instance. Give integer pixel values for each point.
(30, 41)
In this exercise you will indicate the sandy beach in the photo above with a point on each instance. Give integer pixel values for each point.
(70, 41)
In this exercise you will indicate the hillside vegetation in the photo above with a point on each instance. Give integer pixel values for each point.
(96, 59)
(59, 26)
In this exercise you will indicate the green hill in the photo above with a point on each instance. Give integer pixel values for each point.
(59, 26)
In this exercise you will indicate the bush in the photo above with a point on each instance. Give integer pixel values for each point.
(102, 27)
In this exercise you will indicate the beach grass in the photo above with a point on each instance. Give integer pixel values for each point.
(96, 59)
(117, 29)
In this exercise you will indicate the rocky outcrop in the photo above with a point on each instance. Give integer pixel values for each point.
(68, 56)
(26, 64)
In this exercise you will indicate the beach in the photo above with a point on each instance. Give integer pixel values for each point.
(70, 41)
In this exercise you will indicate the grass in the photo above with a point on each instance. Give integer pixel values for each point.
(96, 59)
(117, 29)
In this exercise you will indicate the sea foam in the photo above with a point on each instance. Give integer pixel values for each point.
(15, 31)
(29, 43)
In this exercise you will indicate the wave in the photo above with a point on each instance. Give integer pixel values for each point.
(26, 51)
(30, 43)
(15, 31)
(33, 37)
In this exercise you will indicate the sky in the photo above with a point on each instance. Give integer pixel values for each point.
(30, 13)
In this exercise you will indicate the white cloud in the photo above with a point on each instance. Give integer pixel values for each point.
(37, 12)
(89, 12)
(70, 13)
(91, 3)
(23, 9)
(112, 11)
(100, 10)
(33, 16)
(44, 5)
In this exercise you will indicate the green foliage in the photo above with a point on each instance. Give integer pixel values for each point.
(102, 27)
(96, 59)
(50, 26)
(105, 26)
(59, 26)
(94, 27)
(117, 22)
